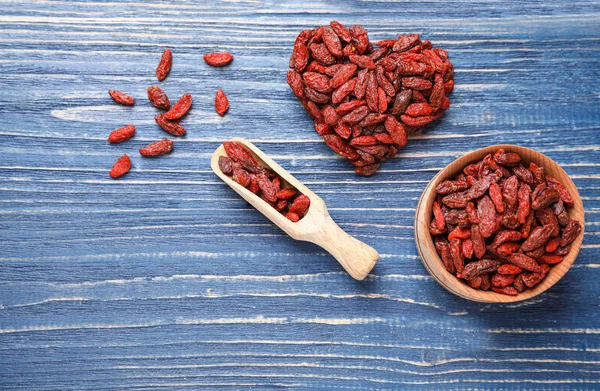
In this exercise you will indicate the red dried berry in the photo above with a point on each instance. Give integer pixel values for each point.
(300, 205)
(157, 148)
(293, 217)
(121, 167)
(121, 98)
(121, 134)
(225, 165)
(218, 59)
(170, 127)
(158, 98)
(221, 102)
(286, 194)
(164, 66)
(180, 108)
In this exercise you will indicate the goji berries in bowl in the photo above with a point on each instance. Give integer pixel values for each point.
(489, 229)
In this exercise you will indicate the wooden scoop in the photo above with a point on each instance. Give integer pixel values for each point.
(316, 226)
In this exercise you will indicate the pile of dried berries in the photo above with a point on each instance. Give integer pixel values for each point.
(509, 234)
(265, 183)
(365, 101)
(168, 121)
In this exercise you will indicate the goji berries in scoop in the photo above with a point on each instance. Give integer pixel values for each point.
(265, 183)
(513, 218)
(350, 88)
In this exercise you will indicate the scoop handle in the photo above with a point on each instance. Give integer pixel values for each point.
(356, 257)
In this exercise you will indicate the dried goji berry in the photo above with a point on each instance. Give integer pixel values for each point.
(164, 66)
(343, 74)
(158, 98)
(570, 233)
(550, 259)
(300, 205)
(170, 127)
(507, 290)
(121, 167)
(509, 268)
(221, 102)
(121, 98)
(157, 148)
(496, 196)
(180, 108)
(286, 194)
(293, 217)
(502, 280)
(341, 31)
(121, 134)
(218, 59)
(225, 165)
(561, 189)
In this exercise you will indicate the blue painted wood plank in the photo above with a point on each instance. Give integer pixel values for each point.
(167, 279)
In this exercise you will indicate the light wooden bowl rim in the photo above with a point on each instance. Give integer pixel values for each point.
(430, 257)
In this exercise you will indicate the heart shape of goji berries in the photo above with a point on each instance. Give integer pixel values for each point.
(365, 101)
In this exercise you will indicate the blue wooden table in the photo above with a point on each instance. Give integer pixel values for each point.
(167, 278)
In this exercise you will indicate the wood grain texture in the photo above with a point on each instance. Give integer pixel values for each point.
(168, 279)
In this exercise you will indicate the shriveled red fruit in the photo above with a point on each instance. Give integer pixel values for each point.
(170, 127)
(164, 66)
(158, 98)
(509, 268)
(121, 134)
(286, 194)
(221, 102)
(121, 98)
(180, 108)
(300, 205)
(121, 167)
(218, 59)
(550, 259)
(225, 165)
(293, 217)
(242, 177)
(507, 290)
(157, 148)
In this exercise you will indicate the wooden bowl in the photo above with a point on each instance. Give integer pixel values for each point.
(433, 262)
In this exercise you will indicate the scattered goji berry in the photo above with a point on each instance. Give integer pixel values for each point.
(121, 134)
(180, 108)
(157, 148)
(121, 167)
(121, 98)
(170, 127)
(218, 59)
(158, 98)
(221, 102)
(164, 66)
